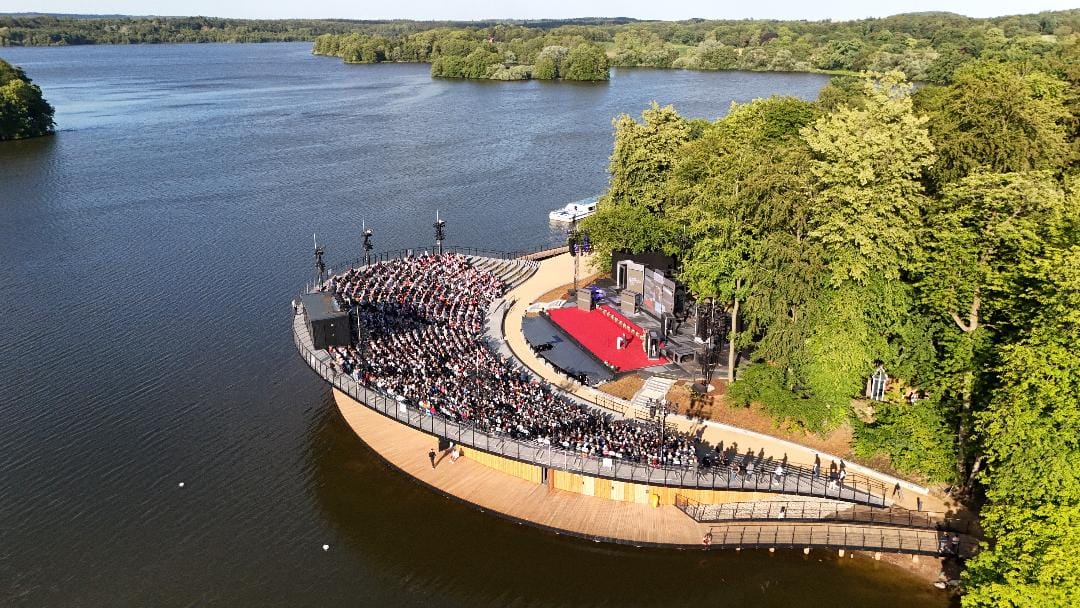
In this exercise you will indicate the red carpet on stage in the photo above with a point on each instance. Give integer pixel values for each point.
(597, 333)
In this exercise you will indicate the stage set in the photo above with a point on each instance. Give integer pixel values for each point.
(640, 319)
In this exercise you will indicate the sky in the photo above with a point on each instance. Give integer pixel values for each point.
(537, 9)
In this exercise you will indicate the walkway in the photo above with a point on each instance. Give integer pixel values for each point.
(597, 518)
(558, 271)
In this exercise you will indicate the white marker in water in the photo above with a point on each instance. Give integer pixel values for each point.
(181, 484)
(326, 547)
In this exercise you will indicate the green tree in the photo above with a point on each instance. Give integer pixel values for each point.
(644, 155)
(545, 68)
(979, 236)
(867, 164)
(1032, 436)
(738, 189)
(585, 62)
(998, 117)
(23, 109)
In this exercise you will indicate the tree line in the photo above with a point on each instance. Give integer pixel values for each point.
(934, 234)
(925, 46)
(23, 110)
(477, 53)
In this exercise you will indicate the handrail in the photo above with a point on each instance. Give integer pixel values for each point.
(857, 538)
(686, 476)
(760, 511)
(797, 479)
(393, 254)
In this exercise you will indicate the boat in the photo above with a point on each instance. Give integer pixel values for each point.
(575, 211)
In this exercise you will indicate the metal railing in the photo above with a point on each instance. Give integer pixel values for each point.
(797, 481)
(527, 255)
(857, 538)
(803, 511)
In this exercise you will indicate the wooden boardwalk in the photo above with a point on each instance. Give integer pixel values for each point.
(596, 518)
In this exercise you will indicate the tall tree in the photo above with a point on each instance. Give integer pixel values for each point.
(23, 109)
(644, 155)
(997, 117)
(1032, 436)
(867, 163)
(978, 237)
(738, 191)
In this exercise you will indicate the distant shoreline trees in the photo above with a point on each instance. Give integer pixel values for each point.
(23, 110)
(470, 54)
(926, 47)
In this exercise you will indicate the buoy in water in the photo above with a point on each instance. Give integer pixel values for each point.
(326, 547)
(181, 484)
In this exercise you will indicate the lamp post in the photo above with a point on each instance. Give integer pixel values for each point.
(320, 265)
(662, 408)
(440, 232)
(367, 245)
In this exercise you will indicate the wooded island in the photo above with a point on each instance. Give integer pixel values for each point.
(23, 110)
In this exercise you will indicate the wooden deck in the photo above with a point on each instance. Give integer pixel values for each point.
(599, 519)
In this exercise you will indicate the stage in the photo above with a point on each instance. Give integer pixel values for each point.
(564, 353)
(598, 331)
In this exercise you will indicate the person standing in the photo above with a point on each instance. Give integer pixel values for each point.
(431, 457)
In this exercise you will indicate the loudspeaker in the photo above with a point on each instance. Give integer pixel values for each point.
(652, 344)
(584, 300)
(667, 325)
(701, 323)
(628, 302)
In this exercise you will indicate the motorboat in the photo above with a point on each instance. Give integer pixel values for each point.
(575, 211)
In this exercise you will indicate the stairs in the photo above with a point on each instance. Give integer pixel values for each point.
(511, 272)
(656, 387)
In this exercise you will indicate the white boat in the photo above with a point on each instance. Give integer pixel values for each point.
(574, 211)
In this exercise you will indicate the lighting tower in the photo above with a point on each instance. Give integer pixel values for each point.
(367, 245)
(320, 265)
(440, 231)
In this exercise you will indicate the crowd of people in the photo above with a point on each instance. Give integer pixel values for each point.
(422, 323)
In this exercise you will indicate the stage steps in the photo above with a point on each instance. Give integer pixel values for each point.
(655, 388)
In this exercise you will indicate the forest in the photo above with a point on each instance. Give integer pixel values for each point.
(927, 47)
(933, 234)
(23, 110)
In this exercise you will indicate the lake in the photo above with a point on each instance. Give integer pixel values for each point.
(150, 250)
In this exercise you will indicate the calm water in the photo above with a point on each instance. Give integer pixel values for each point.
(149, 251)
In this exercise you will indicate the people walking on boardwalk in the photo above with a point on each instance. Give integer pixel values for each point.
(778, 475)
(431, 457)
(707, 540)
(898, 491)
(816, 471)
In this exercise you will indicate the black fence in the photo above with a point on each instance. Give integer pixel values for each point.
(855, 538)
(803, 511)
(796, 480)
(393, 254)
